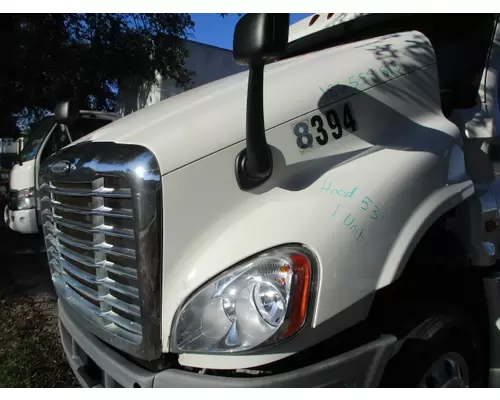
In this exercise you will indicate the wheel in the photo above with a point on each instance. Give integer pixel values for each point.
(442, 350)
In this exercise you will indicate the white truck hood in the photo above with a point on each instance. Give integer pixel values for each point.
(204, 120)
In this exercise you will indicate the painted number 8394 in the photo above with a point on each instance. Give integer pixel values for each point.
(325, 126)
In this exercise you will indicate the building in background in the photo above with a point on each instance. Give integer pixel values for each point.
(208, 63)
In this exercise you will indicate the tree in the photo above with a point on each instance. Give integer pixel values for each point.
(48, 57)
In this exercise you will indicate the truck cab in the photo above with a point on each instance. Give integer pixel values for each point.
(327, 218)
(47, 137)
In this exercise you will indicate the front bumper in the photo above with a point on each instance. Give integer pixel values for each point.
(23, 221)
(361, 367)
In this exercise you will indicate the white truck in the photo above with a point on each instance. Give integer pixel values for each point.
(48, 136)
(8, 153)
(327, 218)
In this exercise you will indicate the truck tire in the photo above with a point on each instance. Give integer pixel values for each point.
(443, 350)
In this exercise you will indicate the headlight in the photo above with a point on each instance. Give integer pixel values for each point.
(253, 305)
(4, 175)
(23, 199)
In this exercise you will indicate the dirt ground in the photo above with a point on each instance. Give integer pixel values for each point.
(30, 351)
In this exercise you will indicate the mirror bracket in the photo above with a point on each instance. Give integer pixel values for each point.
(258, 39)
(254, 165)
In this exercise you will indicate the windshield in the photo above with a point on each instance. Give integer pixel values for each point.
(86, 125)
(318, 22)
(36, 138)
(344, 28)
(83, 126)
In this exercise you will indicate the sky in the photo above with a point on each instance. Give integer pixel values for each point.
(218, 31)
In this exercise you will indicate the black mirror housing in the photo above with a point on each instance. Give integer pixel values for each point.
(66, 112)
(260, 38)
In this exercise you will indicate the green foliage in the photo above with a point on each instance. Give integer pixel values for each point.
(54, 56)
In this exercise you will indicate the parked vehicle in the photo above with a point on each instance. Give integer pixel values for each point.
(50, 135)
(8, 153)
(327, 218)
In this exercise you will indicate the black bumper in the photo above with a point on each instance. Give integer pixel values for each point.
(361, 367)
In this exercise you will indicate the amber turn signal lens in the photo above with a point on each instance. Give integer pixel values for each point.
(300, 293)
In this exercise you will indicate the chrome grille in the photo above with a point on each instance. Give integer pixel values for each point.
(90, 240)
(100, 207)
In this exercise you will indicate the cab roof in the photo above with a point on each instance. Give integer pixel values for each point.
(318, 22)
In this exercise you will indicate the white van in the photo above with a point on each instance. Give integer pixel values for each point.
(49, 136)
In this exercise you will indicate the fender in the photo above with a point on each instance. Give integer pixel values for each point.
(211, 225)
(430, 210)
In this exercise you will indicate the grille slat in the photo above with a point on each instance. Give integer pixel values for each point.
(89, 228)
(91, 279)
(124, 323)
(90, 192)
(77, 271)
(103, 210)
(80, 287)
(108, 299)
(117, 269)
(120, 288)
(80, 258)
(55, 266)
(92, 251)
(109, 319)
(125, 272)
(122, 306)
(103, 246)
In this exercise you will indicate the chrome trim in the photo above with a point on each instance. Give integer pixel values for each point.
(97, 192)
(104, 211)
(79, 261)
(490, 249)
(60, 168)
(105, 230)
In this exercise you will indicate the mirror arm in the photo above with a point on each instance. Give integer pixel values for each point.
(254, 165)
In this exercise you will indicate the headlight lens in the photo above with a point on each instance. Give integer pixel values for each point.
(254, 305)
(23, 199)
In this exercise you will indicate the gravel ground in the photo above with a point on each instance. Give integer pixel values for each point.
(30, 351)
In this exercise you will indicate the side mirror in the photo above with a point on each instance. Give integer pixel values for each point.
(66, 112)
(258, 39)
